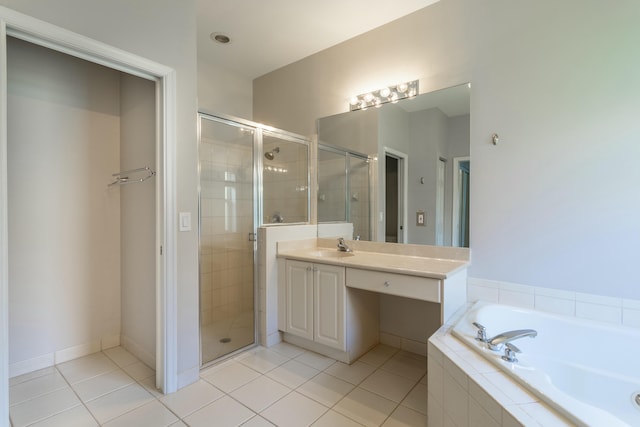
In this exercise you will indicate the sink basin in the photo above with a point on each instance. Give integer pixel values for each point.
(331, 254)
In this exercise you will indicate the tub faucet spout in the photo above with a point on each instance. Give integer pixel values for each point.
(496, 342)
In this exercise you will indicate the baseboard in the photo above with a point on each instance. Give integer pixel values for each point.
(61, 356)
(133, 348)
(405, 344)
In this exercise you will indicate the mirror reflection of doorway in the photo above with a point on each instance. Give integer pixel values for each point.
(461, 179)
(391, 199)
(394, 196)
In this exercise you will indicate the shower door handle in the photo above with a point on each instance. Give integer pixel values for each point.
(253, 237)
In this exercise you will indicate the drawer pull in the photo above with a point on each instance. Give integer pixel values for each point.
(387, 284)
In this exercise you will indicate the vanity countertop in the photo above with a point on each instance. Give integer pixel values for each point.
(435, 268)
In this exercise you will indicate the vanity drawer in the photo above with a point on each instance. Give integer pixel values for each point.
(415, 287)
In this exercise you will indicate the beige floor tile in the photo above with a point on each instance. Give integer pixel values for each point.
(139, 370)
(86, 367)
(260, 393)
(230, 376)
(294, 410)
(36, 386)
(287, 350)
(31, 375)
(257, 421)
(365, 407)
(223, 412)
(408, 365)
(325, 389)
(43, 406)
(405, 417)
(191, 398)
(114, 404)
(388, 385)
(354, 373)
(292, 373)
(315, 360)
(417, 399)
(78, 416)
(150, 414)
(262, 360)
(378, 355)
(334, 419)
(102, 384)
(120, 356)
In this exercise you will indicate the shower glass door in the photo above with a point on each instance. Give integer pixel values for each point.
(227, 239)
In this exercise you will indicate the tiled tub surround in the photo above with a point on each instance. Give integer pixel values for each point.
(465, 390)
(586, 370)
(474, 389)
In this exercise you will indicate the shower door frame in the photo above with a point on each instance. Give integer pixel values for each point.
(27, 28)
(258, 208)
(256, 147)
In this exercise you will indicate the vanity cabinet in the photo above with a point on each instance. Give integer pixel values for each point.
(320, 313)
(315, 302)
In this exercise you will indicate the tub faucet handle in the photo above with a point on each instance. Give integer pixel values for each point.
(510, 351)
(482, 332)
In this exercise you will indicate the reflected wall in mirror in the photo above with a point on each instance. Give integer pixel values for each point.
(419, 170)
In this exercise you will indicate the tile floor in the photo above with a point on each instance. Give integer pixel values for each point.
(282, 385)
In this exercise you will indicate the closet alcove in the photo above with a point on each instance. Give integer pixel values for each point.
(82, 254)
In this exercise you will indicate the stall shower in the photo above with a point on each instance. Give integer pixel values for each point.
(249, 177)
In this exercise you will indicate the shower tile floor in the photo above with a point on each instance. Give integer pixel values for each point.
(282, 385)
(238, 329)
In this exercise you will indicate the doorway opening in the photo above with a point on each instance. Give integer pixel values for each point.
(54, 206)
(395, 193)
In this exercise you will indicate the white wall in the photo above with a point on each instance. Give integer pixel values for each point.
(138, 218)
(555, 204)
(165, 33)
(221, 91)
(64, 224)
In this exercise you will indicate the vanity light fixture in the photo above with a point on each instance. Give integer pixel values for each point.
(382, 96)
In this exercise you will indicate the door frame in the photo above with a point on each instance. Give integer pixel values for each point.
(27, 28)
(455, 200)
(403, 179)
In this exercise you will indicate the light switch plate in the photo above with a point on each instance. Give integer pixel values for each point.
(185, 221)
(421, 218)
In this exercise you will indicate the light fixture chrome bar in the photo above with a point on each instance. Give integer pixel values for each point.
(384, 95)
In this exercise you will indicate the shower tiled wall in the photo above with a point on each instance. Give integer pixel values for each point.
(226, 257)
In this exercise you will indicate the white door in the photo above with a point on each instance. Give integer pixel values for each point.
(299, 298)
(329, 308)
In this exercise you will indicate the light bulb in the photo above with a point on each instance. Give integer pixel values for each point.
(368, 97)
(384, 92)
(354, 100)
(402, 87)
(394, 97)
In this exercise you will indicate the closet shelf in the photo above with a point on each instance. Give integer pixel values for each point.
(125, 177)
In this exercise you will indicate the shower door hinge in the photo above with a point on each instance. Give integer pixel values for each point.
(160, 249)
(253, 237)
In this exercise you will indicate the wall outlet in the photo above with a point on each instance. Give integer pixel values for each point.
(421, 218)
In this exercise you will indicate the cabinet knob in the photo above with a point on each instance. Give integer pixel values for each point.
(309, 269)
(387, 284)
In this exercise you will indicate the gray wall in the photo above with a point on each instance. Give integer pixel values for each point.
(555, 204)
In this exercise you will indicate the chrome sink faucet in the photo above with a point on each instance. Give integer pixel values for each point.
(342, 246)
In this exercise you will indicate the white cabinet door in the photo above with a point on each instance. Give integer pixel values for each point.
(299, 298)
(329, 306)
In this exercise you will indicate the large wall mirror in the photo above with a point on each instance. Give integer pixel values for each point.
(398, 173)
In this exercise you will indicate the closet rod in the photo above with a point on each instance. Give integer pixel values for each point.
(123, 178)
